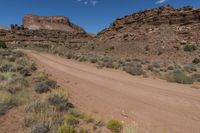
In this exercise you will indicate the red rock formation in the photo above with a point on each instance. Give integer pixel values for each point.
(154, 33)
(51, 23)
(157, 16)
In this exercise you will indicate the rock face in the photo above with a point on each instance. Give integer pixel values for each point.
(33, 22)
(45, 32)
(158, 16)
(155, 33)
(44, 38)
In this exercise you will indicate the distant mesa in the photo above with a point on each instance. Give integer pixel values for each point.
(34, 22)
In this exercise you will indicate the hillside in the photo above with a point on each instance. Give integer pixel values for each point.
(160, 33)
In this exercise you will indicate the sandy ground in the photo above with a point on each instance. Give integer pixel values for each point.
(155, 106)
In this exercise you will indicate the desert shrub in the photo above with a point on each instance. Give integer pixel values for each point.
(60, 101)
(108, 65)
(6, 102)
(100, 64)
(43, 84)
(134, 69)
(6, 68)
(3, 45)
(190, 48)
(99, 123)
(69, 55)
(71, 120)
(33, 67)
(43, 128)
(115, 126)
(51, 83)
(41, 77)
(190, 68)
(196, 61)
(36, 107)
(130, 129)
(41, 87)
(156, 64)
(82, 59)
(2, 77)
(23, 61)
(66, 129)
(170, 68)
(26, 72)
(12, 89)
(88, 119)
(196, 77)
(93, 60)
(179, 76)
(150, 67)
(11, 58)
(76, 113)
(83, 131)
(18, 53)
(29, 120)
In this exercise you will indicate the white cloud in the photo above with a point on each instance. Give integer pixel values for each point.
(93, 2)
(87, 2)
(161, 1)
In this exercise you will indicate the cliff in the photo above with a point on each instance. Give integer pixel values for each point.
(50, 23)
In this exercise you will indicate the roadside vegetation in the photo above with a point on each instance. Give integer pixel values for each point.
(183, 73)
(31, 97)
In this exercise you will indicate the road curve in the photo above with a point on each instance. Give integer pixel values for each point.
(155, 106)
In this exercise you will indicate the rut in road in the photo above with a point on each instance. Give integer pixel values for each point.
(155, 105)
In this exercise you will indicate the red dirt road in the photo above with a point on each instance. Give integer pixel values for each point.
(154, 105)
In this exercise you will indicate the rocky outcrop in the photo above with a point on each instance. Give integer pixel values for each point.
(154, 33)
(45, 32)
(158, 16)
(44, 38)
(33, 22)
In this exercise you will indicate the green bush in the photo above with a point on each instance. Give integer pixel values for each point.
(134, 69)
(71, 120)
(66, 129)
(190, 48)
(3, 45)
(115, 126)
(179, 76)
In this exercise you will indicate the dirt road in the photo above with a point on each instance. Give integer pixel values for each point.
(154, 105)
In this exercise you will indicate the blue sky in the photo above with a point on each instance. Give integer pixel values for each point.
(92, 15)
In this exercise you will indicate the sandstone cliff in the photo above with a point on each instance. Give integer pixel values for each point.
(51, 23)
